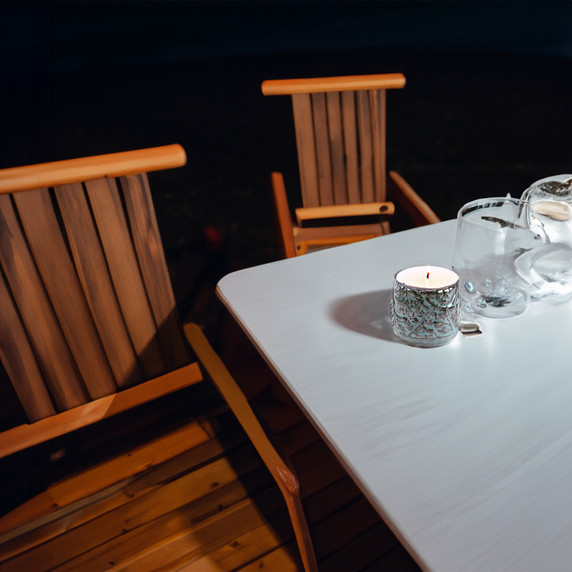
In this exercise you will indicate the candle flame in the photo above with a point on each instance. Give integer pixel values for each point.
(427, 275)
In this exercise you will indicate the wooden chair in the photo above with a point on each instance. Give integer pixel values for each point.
(346, 189)
(89, 326)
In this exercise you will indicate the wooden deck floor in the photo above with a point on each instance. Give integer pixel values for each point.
(177, 486)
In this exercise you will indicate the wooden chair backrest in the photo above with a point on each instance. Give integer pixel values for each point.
(340, 127)
(87, 303)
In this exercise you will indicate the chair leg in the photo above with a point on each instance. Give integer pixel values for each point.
(283, 216)
(303, 538)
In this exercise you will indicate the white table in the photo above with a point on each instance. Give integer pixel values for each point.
(465, 450)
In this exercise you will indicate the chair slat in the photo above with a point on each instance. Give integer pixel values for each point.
(335, 130)
(149, 249)
(377, 106)
(302, 109)
(96, 283)
(19, 360)
(325, 182)
(38, 318)
(61, 282)
(366, 147)
(125, 274)
(351, 146)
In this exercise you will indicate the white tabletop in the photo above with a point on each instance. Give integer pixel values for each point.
(465, 450)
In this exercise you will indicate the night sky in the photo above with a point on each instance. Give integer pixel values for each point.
(486, 109)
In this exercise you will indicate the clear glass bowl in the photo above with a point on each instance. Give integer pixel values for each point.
(492, 234)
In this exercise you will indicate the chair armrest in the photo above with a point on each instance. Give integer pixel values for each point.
(236, 400)
(419, 211)
(337, 215)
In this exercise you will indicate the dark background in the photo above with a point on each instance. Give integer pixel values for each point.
(486, 109)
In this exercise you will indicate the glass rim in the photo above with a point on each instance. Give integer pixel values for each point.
(476, 204)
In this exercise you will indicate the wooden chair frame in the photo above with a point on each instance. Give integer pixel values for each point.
(51, 416)
(340, 137)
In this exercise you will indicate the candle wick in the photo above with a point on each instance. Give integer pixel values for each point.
(427, 275)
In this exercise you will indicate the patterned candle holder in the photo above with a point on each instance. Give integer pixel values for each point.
(425, 306)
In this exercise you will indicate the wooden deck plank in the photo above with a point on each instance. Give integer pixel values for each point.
(29, 526)
(175, 552)
(396, 560)
(279, 559)
(85, 484)
(316, 468)
(336, 531)
(129, 516)
(368, 547)
(74, 516)
(185, 462)
(128, 464)
(297, 437)
(178, 547)
(203, 539)
(239, 552)
(330, 499)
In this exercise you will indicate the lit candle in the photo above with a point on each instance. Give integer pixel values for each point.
(425, 306)
(427, 277)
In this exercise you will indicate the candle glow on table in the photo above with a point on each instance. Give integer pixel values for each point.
(425, 306)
